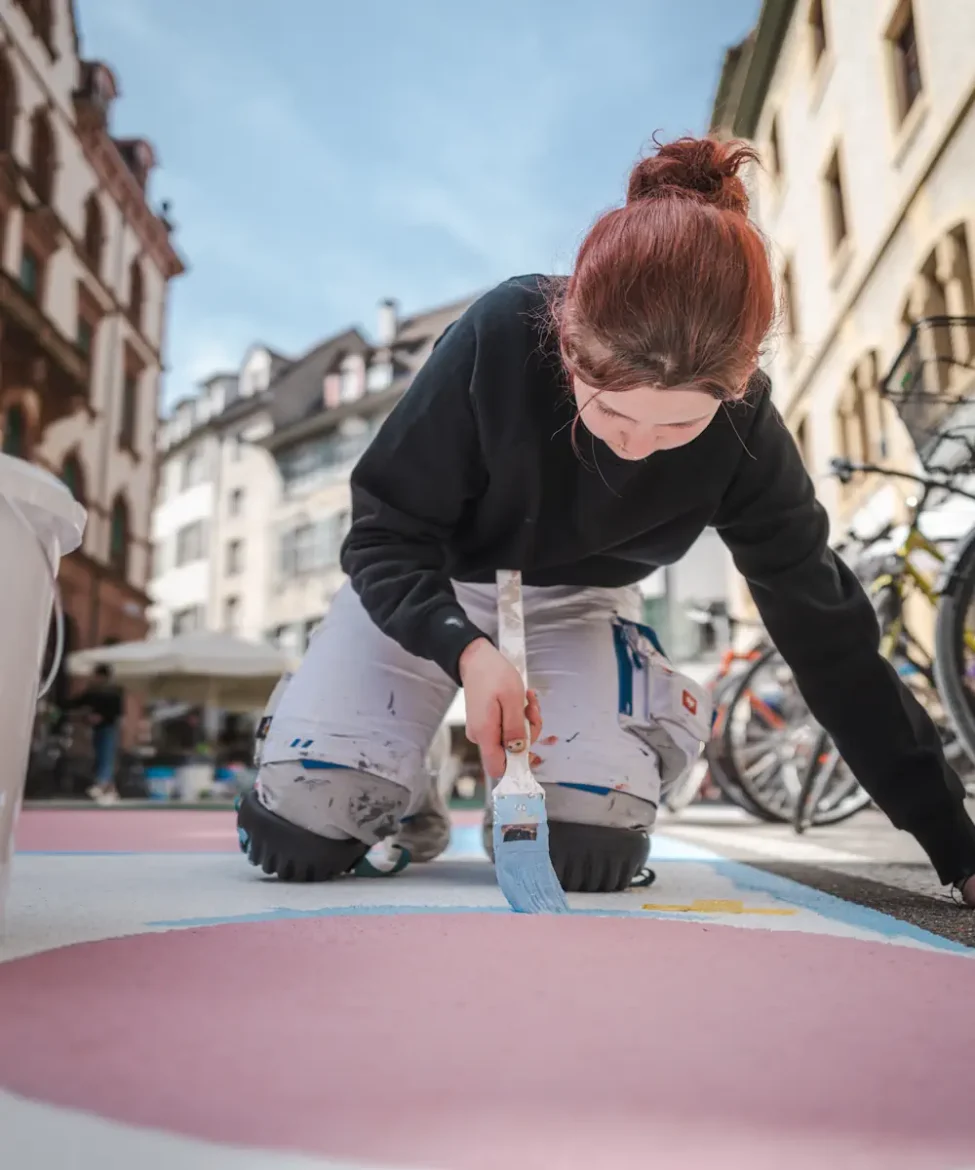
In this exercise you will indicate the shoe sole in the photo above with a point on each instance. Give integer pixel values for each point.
(288, 852)
(593, 859)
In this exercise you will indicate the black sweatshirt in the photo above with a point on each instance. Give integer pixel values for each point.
(474, 470)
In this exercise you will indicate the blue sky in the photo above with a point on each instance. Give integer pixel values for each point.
(322, 155)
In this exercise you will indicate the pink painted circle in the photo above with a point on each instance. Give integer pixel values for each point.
(474, 1041)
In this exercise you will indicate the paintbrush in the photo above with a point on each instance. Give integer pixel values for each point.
(521, 858)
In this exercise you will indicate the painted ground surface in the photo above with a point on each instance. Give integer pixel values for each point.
(164, 1005)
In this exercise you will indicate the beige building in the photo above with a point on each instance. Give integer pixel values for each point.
(217, 489)
(864, 114)
(85, 264)
(324, 411)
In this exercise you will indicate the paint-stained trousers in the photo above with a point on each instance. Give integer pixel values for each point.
(353, 726)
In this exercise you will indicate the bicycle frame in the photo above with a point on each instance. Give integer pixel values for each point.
(910, 575)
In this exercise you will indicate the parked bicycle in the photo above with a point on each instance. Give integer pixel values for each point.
(943, 682)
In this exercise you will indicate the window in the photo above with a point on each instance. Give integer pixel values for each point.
(191, 543)
(902, 37)
(235, 558)
(774, 150)
(14, 433)
(231, 614)
(73, 478)
(93, 237)
(835, 202)
(817, 30)
(790, 317)
(157, 559)
(30, 273)
(379, 377)
(127, 425)
(85, 336)
(236, 503)
(135, 293)
(194, 469)
(235, 444)
(313, 547)
(118, 551)
(303, 464)
(188, 621)
(8, 104)
(42, 165)
(856, 437)
(350, 379)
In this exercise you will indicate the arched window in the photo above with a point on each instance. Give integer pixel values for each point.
(42, 162)
(74, 477)
(15, 433)
(8, 104)
(135, 293)
(118, 549)
(94, 234)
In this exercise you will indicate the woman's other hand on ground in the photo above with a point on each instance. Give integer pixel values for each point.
(497, 705)
(967, 891)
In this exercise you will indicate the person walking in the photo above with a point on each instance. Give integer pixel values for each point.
(104, 703)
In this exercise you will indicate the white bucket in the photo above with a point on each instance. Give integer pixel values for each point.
(40, 522)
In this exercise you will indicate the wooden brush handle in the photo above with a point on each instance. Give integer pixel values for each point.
(511, 621)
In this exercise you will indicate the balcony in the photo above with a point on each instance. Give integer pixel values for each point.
(34, 353)
(931, 384)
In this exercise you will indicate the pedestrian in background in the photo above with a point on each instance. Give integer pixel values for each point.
(104, 703)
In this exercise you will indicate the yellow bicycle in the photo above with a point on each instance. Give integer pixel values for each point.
(950, 676)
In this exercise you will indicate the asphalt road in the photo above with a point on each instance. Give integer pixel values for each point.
(863, 860)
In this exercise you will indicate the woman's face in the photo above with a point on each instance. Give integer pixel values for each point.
(636, 423)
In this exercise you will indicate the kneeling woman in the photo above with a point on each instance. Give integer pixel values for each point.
(586, 431)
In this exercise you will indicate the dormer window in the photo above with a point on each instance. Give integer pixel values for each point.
(351, 378)
(379, 377)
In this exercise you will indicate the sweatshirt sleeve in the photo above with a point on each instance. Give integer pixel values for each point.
(410, 492)
(824, 626)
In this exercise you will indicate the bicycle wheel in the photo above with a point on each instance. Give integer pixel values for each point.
(766, 719)
(827, 795)
(954, 662)
(721, 764)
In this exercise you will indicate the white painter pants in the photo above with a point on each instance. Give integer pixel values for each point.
(619, 723)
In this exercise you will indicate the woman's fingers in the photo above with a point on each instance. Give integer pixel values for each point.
(509, 724)
(513, 730)
(488, 737)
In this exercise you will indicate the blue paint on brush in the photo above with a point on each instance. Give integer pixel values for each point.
(521, 858)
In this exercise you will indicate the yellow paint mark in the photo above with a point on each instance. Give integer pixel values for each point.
(716, 906)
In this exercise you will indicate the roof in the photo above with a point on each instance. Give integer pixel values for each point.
(297, 391)
(748, 70)
(297, 406)
(728, 93)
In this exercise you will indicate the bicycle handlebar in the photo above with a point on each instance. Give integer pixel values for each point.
(844, 469)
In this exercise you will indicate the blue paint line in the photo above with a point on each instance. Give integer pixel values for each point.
(793, 893)
(466, 843)
(284, 913)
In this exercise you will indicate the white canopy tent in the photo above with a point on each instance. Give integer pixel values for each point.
(215, 670)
